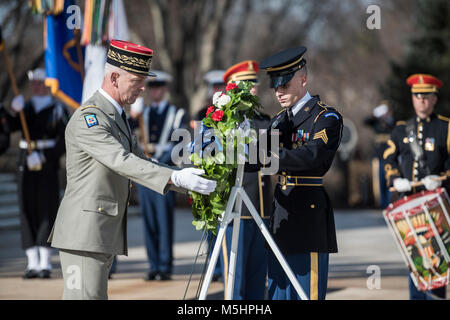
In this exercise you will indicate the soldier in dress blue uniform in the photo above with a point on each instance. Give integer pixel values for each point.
(382, 124)
(251, 262)
(38, 172)
(302, 221)
(418, 150)
(158, 122)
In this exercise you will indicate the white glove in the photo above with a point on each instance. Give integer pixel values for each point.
(402, 185)
(137, 107)
(189, 178)
(430, 183)
(18, 103)
(34, 161)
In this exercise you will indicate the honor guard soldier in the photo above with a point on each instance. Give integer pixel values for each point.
(102, 159)
(158, 122)
(382, 124)
(418, 150)
(302, 220)
(38, 172)
(251, 261)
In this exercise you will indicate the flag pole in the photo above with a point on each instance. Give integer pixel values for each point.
(142, 130)
(79, 53)
(23, 120)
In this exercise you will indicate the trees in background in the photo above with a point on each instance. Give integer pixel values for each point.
(428, 52)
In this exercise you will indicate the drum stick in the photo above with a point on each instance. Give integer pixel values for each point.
(420, 183)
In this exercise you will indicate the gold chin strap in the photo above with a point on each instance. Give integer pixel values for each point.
(284, 67)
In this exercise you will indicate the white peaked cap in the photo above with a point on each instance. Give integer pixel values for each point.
(380, 111)
(214, 76)
(161, 76)
(138, 105)
(36, 74)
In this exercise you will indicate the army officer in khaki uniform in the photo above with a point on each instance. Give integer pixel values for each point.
(102, 158)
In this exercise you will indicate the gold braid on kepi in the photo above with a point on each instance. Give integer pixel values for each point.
(243, 71)
(130, 57)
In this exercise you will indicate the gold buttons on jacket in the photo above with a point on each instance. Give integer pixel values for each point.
(313, 206)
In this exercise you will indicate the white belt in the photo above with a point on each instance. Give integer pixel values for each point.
(38, 144)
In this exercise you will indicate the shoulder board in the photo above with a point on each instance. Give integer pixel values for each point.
(400, 123)
(323, 105)
(89, 106)
(443, 118)
(284, 109)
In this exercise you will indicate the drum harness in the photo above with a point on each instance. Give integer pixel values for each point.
(416, 149)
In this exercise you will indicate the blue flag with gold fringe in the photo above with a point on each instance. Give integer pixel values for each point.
(63, 59)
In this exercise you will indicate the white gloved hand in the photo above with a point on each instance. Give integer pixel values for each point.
(18, 103)
(402, 185)
(430, 183)
(189, 178)
(34, 161)
(137, 107)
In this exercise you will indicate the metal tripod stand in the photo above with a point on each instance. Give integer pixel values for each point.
(237, 196)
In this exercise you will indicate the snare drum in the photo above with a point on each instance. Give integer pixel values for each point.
(420, 225)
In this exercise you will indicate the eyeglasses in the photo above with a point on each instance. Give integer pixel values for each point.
(423, 95)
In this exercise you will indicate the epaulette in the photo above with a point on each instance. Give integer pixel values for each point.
(323, 105)
(400, 123)
(283, 110)
(89, 106)
(443, 118)
(330, 112)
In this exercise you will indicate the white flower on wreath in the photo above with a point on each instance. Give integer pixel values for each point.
(223, 100)
(216, 97)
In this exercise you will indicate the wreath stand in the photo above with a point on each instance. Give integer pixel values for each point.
(237, 196)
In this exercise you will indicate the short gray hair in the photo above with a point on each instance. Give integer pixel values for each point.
(109, 68)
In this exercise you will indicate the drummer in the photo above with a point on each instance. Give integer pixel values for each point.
(418, 151)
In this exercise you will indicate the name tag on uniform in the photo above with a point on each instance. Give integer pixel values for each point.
(429, 144)
(91, 120)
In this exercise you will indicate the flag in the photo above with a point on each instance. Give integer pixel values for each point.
(63, 59)
(103, 20)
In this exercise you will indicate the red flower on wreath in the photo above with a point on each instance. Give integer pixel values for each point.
(217, 116)
(210, 109)
(231, 86)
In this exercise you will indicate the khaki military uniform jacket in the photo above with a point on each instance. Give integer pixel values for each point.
(102, 159)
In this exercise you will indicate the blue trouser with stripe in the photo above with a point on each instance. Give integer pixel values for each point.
(311, 271)
(251, 261)
(157, 212)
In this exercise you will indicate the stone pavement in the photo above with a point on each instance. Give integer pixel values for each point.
(363, 240)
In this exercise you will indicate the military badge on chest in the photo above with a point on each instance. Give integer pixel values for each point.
(429, 144)
(299, 138)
